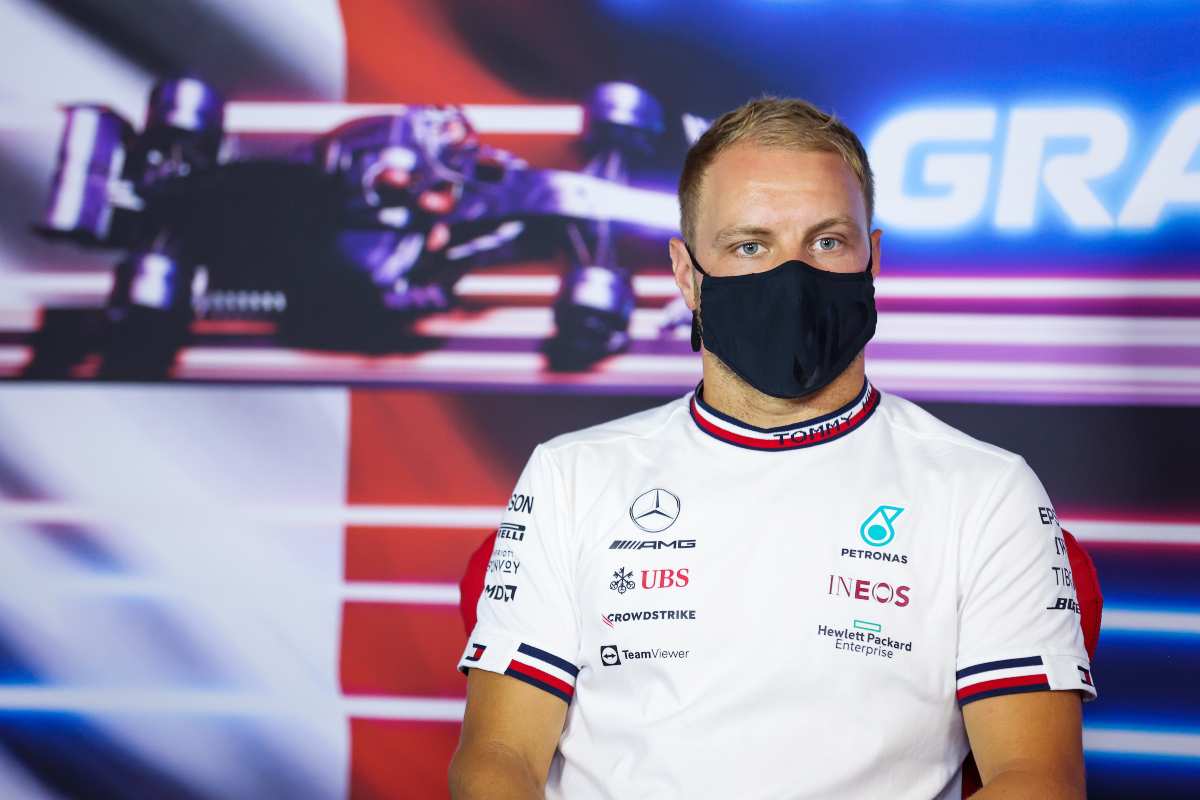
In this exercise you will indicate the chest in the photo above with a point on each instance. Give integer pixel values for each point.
(817, 579)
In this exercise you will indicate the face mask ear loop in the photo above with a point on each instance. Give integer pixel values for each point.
(695, 263)
(696, 332)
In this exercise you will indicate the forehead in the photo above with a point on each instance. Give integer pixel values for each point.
(771, 186)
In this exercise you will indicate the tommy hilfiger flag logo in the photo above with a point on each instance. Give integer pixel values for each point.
(477, 653)
(1085, 675)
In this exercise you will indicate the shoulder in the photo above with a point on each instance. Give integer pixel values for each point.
(922, 437)
(985, 486)
(923, 430)
(628, 431)
(583, 463)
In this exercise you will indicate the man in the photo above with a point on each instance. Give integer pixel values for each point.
(785, 583)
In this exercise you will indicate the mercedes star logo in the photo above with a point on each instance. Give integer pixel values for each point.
(655, 510)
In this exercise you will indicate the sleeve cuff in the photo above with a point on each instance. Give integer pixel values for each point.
(521, 660)
(981, 679)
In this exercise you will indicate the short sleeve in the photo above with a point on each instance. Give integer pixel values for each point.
(527, 624)
(1018, 616)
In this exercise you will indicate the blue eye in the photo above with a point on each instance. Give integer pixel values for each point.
(827, 243)
(749, 248)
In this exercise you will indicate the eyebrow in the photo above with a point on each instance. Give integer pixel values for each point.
(829, 223)
(737, 231)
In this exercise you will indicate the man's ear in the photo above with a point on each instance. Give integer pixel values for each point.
(681, 266)
(876, 251)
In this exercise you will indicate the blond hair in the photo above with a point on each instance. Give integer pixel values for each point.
(771, 122)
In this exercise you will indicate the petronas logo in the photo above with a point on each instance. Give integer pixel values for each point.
(877, 530)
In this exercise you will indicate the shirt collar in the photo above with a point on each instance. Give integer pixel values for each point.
(808, 433)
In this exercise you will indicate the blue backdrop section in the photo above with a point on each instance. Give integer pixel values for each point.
(873, 61)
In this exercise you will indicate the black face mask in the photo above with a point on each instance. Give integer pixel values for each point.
(788, 331)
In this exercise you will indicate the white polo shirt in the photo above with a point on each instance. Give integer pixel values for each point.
(795, 612)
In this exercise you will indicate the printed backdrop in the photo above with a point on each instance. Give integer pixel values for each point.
(288, 292)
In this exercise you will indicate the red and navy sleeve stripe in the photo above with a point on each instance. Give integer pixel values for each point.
(996, 678)
(544, 670)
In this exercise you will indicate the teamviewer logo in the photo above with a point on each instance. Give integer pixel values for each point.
(609, 656)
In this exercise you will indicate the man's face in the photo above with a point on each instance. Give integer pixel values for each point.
(761, 206)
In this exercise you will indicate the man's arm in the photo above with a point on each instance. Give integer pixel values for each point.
(1028, 745)
(509, 735)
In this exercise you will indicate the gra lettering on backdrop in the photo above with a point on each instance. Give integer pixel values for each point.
(939, 168)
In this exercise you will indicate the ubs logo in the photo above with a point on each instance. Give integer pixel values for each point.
(654, 511)
(622, 581)
(665, 578)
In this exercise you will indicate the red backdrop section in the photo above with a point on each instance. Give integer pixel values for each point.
(409, 450)
(415, 456)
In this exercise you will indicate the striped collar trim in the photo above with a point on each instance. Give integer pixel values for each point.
(823, 429)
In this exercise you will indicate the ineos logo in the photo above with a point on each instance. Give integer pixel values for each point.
(654, 511)
(881, 592)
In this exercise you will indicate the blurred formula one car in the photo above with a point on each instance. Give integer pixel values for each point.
(344, 240)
